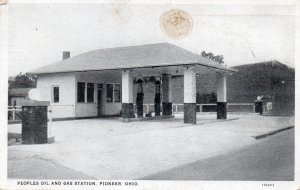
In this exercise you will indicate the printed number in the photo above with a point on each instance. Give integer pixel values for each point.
(268, 185)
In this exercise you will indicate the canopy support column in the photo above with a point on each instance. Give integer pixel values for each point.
(167, 94)
(127, 95)
(190, 96)
(221, 97)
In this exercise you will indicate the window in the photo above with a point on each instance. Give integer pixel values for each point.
(109, 93)
(55, 94)
(117, 93)
(90, 92)
(113, 93)
(80, 91)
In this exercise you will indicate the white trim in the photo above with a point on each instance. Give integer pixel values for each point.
(85, 92)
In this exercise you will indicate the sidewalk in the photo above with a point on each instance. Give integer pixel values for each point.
(109, 149)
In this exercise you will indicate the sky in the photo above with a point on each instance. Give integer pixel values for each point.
(243, 34)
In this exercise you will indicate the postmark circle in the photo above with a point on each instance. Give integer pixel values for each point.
(3, 2)
(176, 23)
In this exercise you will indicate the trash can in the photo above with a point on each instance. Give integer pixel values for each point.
(34, 122)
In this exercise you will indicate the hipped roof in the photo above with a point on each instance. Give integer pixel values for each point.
(130, 57)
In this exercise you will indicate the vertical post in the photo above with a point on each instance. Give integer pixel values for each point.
(221, 97)
(189, 96)
(127, 95)
(167, 95)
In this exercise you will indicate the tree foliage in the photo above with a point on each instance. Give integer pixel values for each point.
(22, 81)
(211, 56)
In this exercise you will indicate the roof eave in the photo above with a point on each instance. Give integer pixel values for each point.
(222, 68)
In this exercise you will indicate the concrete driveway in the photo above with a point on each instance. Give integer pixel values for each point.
(271, 159)
(109, 149)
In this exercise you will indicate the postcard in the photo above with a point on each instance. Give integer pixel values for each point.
(149, 94)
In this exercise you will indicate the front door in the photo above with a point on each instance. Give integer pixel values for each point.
(99, 106)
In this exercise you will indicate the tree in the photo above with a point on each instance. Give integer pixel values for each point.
(217, 58)
(22, 81)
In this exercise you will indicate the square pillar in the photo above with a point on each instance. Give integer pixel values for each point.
(167, 95)
(127, 95)
(221, 97)
(190, 96)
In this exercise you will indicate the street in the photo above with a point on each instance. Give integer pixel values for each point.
(271, 159)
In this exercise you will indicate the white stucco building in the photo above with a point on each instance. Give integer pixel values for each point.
(101, 82)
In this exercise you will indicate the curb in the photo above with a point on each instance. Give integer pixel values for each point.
(219, 120)
(272, 132)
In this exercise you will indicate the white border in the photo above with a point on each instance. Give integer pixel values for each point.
(11, 184)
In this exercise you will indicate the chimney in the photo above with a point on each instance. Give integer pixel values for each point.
(66, 55)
